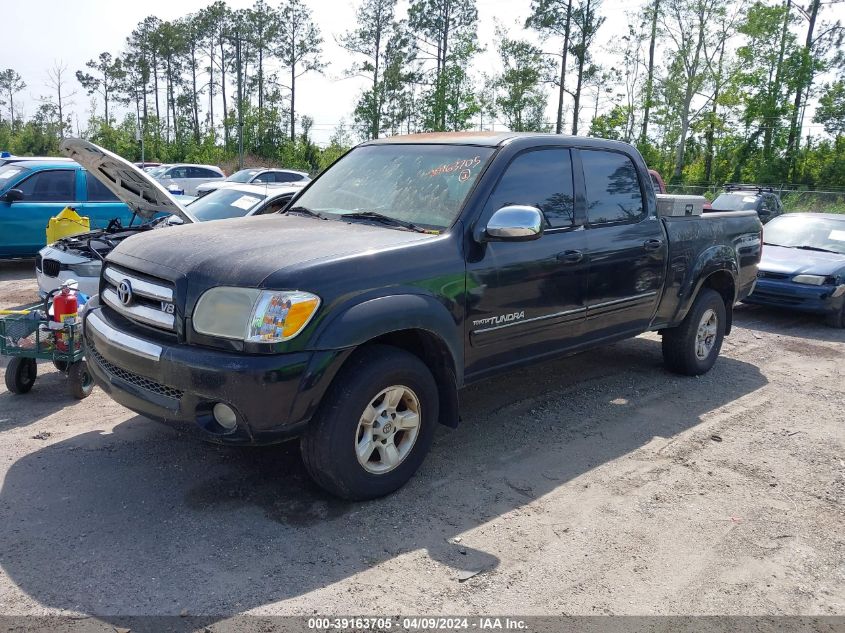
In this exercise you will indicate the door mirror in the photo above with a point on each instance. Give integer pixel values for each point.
(515, 223)
(13, 195)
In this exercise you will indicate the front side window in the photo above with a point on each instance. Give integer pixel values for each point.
(542, 179)
(49, 186)
(97, 191)
(423, 184)
(225, 203)
(177, 172)
(612, 188)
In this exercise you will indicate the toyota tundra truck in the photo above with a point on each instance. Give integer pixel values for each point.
(413, 266)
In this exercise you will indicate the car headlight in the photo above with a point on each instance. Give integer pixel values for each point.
(249, 314)
(813, 280)
(86, 269)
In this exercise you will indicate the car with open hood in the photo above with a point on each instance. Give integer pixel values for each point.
(803, 265)
(80, 256)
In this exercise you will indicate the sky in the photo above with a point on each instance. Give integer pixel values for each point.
(80, 30)
(74, 32)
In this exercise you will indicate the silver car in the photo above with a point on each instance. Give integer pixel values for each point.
(258, 175)
(184, 178)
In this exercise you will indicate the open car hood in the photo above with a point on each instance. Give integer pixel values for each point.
(142, 194)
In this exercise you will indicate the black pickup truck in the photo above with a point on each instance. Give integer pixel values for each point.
(410, 268)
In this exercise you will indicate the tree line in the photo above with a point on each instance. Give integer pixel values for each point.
(710, 91)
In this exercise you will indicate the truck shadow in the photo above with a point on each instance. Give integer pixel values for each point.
(145, 521)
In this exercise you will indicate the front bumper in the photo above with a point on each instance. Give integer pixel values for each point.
(804, 297)
(273, 395)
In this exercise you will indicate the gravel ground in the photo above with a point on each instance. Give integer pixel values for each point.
(597, 484)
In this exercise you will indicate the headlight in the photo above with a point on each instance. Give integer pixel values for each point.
(86, 269)
(814, 280)
(247, 314)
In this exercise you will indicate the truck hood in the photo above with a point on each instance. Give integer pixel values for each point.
(144, 195)
(246, 251)
(780, 259)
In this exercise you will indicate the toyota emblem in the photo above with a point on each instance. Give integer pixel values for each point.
(124, 292)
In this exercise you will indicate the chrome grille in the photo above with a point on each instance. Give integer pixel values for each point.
(51, 267)
(139, 299)
(147, 384)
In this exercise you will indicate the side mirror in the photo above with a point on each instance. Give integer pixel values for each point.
(174, 220)
(515, 223)
(13, 195)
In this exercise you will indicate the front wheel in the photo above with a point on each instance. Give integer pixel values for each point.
(693, 346)
(836, 319)
(375, 425)
(20, 374)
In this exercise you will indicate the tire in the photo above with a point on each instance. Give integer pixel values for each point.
(373, 377)
(21, 374)
(80, 382)
(836, 319)
(683, 351)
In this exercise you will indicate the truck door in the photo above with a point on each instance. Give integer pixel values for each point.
(526, 299)
(627, 246)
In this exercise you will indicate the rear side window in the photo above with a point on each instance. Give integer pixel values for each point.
(97, 191)
(612, 188)
(287, 176)
(201, 172)
(542, 179)
(49, 186)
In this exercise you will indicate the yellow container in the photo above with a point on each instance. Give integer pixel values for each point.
(68, 222)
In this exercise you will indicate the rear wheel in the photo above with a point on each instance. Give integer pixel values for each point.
(375, 425)
(693, 346)
(21, 374)
(80, 382)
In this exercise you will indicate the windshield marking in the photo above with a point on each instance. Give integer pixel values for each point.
(465, 165)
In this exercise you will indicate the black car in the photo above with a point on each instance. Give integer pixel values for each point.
(410, 268)
(763, 200)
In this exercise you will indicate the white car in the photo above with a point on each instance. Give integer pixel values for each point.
(257, 175)
(184, 178)
(80, 256)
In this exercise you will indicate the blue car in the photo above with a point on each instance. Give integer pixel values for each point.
(33, 191)
(803, 265)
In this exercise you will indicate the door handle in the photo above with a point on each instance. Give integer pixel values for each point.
(570, 257)
(652, 245)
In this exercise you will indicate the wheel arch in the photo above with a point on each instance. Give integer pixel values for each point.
(418, 324)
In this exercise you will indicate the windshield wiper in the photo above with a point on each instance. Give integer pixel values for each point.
(386, 219)
(306, 211)
(816, 248)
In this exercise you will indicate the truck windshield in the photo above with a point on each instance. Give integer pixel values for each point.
(422, 184)
(796, 230)
(735, 202)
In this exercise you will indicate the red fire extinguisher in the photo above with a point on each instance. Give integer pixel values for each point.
(65, 308)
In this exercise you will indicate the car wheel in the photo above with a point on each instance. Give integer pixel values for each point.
(836, 319)
(693, 347)
(21, 374)
(375, 425)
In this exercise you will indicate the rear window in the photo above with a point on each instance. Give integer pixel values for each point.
(613, 188)
(225, 203)
(736, 202)
(97, 191)
(425, 184)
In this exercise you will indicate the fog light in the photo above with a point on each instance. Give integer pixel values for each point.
(225, 416)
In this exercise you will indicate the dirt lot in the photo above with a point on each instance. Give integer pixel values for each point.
(598, 484)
